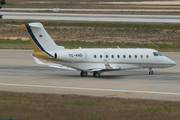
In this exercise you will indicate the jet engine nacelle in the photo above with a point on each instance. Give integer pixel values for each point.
(71, 55)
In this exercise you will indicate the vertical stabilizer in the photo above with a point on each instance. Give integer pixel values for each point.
(42, 43)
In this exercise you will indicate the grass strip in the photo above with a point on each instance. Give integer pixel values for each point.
(98, 24)
(21, 44)
(40, 106)
(107, 32)
(15, 44)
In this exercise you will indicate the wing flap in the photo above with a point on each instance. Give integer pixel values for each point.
(95, 69)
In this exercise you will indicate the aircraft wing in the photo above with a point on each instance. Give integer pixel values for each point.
(95, 69)
(38, 61)
(108, 67)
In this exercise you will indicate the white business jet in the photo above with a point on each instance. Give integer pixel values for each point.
(90, 60)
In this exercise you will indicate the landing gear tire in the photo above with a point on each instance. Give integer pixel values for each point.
(96, 74)
(150, 71)
(83, 74)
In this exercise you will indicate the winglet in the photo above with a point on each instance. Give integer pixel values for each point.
(111, 67)
(107, 66)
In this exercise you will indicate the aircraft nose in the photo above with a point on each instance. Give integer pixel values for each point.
(173, 63)
(170, 62)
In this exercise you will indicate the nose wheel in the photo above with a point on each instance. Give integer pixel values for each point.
(150, 71)
(96, 74)
(83, 74)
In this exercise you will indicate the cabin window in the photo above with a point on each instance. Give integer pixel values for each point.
(124, 56)
(147, 56)
(135, 56)
(141, 56)
(100, 56)
(118, 56)
(129, 56)
(94, 56)
(155, 54)
(112, 56)
(106, 56)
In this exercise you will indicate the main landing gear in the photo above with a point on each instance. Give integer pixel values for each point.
(150, 71)
(96, 74)
(84, 74)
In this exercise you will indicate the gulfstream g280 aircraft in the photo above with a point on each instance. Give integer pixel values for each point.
(89, 60)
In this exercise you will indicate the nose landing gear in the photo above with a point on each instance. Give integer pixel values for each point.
(150, 71)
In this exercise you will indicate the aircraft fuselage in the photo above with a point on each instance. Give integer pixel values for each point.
(117, 58)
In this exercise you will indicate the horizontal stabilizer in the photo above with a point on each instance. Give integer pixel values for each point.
(35, 25)
(38, 61)
(11, 25)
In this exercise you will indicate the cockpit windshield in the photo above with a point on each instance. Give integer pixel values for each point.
(157, 54)
(160, 54)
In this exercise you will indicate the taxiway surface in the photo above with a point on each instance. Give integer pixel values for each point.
(102, 10)
(19, 72)
(124, 18)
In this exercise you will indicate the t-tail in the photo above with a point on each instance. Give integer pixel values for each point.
(42, 43)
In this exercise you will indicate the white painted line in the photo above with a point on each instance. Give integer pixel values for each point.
(93, 89)
(137, 10)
